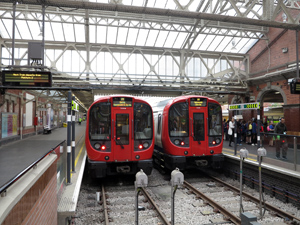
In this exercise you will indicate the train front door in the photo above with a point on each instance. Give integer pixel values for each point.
(122, 140)
(198, 123)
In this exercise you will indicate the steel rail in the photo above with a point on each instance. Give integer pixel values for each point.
(160, 213)
(23, 172)
(104, 205)
(278, 211)
(214, 204)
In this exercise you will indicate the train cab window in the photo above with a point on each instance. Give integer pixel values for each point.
(199, 133)
(122, 129)
(99, 121)
(142, 121)
(214, 119)
(178, 120)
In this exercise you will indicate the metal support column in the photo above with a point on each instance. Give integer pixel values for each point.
(258, 123)
(73, 137)
(235, 135)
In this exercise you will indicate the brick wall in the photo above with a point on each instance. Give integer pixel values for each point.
(39, 204)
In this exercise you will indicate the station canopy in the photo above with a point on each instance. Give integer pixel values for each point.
(141, 47)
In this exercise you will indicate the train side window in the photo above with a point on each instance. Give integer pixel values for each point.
(158, 123)
(214, 119)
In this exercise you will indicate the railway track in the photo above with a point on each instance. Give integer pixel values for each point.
(224, 198)
(118, 207)
(118, 203)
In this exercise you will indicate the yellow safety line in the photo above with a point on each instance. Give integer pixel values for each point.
(77, 158)
(232, 151)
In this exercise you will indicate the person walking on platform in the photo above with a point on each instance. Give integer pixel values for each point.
(79, 120)
(230, 131)
(281, 140)
(249, 132)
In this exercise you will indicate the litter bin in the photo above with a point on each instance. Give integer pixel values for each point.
(65, 124)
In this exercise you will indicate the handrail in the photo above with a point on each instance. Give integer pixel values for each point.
(276, 134)
(18, 176)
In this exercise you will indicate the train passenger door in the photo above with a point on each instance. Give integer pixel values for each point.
(122, 145)
(198, 128)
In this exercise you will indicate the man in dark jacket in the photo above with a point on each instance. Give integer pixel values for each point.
(281, 141)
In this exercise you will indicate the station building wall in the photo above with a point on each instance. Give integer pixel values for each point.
(271, 56)
(10, 102)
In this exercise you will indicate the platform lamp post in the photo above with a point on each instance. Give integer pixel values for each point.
(260, 153)
(141, 181)
(243, 154)
(177, 178)
(235, 135)
(258, 123)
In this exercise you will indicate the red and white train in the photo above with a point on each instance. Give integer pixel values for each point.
(188, 133)
(119, 136)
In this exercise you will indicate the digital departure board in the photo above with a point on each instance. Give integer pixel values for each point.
(122, 102)
(27, 78)
(198, 102)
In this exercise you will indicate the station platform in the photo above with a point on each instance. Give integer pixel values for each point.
(290, 167)
(18, 156)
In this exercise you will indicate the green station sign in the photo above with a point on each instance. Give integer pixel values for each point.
(255, 105)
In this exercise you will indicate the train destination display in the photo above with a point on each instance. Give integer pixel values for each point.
(27, 78)
(122, 102)
(198, 102)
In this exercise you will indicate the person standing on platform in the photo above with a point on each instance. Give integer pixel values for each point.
(79, 120)
(270, 129)
(281, 140)
(254, 132)
(231, 131)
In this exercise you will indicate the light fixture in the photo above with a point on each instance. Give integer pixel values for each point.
(233, 48)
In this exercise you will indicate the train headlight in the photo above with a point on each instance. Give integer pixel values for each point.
(97, 146)
(214, 142)
(218, 141)
(103, 147)
(176, 142)
(182, 143)
(140, 146)
(146, 144)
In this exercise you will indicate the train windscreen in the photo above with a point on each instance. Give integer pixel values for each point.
(99, 121)
(142, 121)
(214, 119)
(178, 120)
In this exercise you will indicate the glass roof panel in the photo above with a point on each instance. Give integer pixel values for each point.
(48, 32)
(23, 29)
(69, 32)
(142, 35)
(4, 26)
(122, 36)
(161, 38)
(92, 33)
(152, 36)
(58, 32)
(101, 34)
(180, 40)
(137, 3)
(198, 41)
(112, 35)
(34, 29)
(132, 34)
(171, 39)
(160, 4)
(79, 33)
(170, 4)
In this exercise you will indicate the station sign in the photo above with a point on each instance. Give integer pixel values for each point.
(75, 106)
(27, 78)
(295, 87)
(255, 105)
